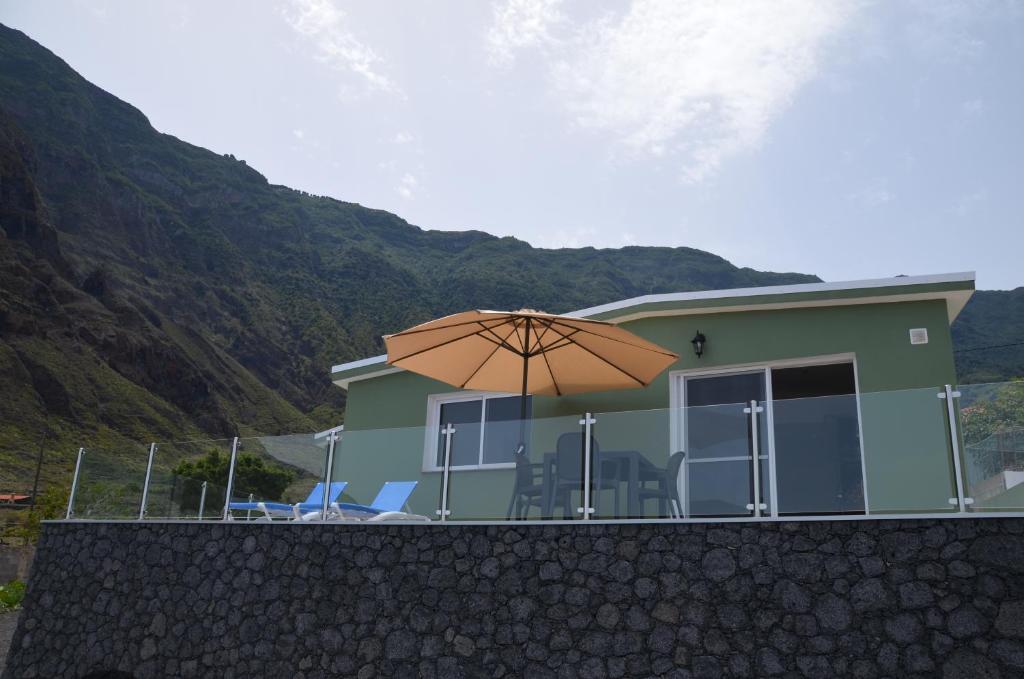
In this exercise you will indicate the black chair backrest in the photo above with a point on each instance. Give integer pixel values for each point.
(675, 461)
(524, 473)
(569, 456)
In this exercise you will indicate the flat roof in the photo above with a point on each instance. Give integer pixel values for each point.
(954, 288)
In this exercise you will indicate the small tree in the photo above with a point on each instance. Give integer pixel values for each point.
(252, 475)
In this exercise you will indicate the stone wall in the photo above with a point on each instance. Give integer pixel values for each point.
(903, 599)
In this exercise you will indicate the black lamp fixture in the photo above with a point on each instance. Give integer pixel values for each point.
(698, 343)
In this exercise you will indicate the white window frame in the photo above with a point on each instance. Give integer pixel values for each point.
(434, 424)
(677, 404)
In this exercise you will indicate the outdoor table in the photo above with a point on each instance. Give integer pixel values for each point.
(636, 466)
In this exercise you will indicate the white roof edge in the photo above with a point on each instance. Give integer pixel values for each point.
(363, 362)
(797, 288)
(776, 290)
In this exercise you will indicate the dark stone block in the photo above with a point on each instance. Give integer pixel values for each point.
(1010, 621)
(719, 564)
(833, 613)
(966, 664)
(967, 621)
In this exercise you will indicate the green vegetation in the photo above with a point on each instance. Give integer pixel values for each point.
(989, 410)
(252, 473)
(154, 290)
(11, 595)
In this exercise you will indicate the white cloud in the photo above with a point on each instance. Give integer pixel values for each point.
(298, 134)
(401, 138)
(521, 23)
(873, 196)
(578, 237)
(970, 202)
(972, 107)
(690, 80)
(408, 187)
(324, 25)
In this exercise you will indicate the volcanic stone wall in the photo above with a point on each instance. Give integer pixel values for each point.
(906, 599)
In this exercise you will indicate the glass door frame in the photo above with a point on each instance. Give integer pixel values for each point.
(677, 404)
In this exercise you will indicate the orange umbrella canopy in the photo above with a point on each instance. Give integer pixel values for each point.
(527, 351)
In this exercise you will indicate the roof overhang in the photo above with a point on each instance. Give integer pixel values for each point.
(954, 288)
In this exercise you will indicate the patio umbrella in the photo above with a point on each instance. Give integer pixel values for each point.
(527, 351)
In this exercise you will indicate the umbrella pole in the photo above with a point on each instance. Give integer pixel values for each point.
(522, 398)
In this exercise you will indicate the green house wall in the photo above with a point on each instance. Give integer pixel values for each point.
(906, 452)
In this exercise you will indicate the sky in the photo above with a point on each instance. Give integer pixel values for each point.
(845, 138)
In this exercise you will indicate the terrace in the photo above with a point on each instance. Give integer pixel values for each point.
(943, 451)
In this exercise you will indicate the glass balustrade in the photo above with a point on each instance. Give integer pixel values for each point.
(281, 477)
(188, 480)
(881, 453)
(992, 429)
(110, 482)
(389, 474)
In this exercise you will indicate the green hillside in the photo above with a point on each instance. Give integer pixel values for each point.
(989, 337)
(153, 289)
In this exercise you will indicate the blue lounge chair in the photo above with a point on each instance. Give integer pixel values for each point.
(392, 498)
(313, 503)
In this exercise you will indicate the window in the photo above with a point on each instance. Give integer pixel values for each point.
(487, 430)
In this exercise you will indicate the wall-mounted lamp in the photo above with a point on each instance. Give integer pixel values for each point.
(698, 343)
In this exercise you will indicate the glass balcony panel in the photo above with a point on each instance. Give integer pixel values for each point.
(180, 470)
(110, 483)
(280, 477)
(545, 481)
(992, 429)
(817, 455)
(718, 474)
(908, 458)
(388, 474)
(634, 474)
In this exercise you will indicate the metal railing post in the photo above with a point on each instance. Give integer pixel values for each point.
(755, 449)
(231, 480)
(74, 484)
(443, 512)
(586, 510)
(960, 501)
(329, 473)
(202, 500)
(145, 484)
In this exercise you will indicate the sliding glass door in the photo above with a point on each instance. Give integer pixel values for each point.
(721, 438)
(777, 440)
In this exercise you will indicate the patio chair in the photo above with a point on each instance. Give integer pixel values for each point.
(314, 502)
(391, 503)
(528, 490)
(569, 473)
(667, 490)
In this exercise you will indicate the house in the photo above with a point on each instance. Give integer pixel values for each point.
(834, 388)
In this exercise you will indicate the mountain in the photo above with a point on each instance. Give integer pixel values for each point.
(989, 337)
(154, 290)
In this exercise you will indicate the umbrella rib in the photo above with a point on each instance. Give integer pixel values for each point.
(446, 342)
(554, 380)
(539, 337)
(476, 321)
(564, 339)
(605, 360)
(480, 367)
(501, 342)
(544, 354)
(654, 348)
